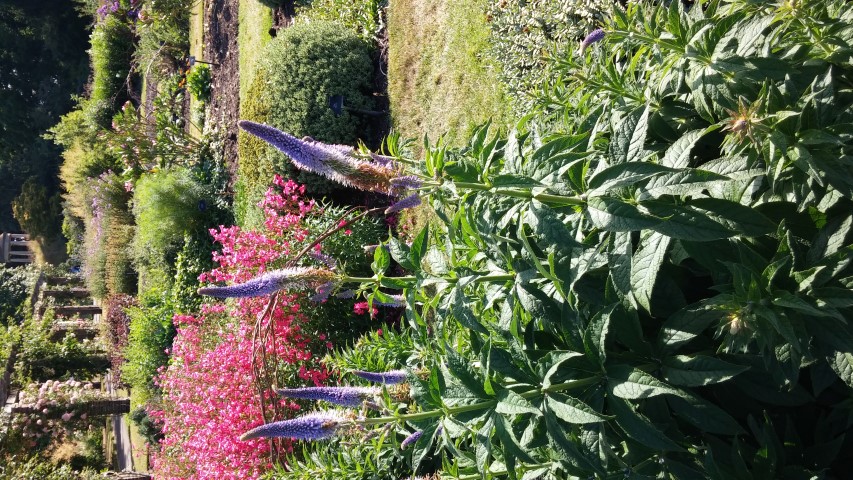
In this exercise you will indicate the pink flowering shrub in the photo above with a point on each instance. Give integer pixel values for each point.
(210, 388)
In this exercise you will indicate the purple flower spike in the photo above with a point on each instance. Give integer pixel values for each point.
(348, 293)
(314, 426)
(324, 259)
(595, 36)
(408, 202)
(409, 181)
(411, 439)
(299, 278)
(389, 378)
(331, 161)
(344, 396)
(323, 292)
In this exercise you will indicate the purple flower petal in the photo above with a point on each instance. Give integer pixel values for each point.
(314, 426)
(408, 202)
(391, 377)
(344, 396)
(298, 278)
(595, 36)
(411, 439)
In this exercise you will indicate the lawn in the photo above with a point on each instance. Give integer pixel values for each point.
(439, 78)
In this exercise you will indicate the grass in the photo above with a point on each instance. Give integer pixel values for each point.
(255, 20)
(196, 50)
(438, 79)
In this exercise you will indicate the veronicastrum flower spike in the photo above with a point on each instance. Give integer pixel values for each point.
(297, 278)
(344, 396)
(330, 161)
(595, 36)
(411, 201)
(389, 378)
(411, 439)
(323, 292)
(314, 426)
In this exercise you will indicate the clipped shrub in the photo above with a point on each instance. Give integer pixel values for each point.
(112, 46)
(303, 66)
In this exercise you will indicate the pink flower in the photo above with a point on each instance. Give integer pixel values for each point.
(67, 416)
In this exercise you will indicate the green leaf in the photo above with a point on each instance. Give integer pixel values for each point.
(685, 325)
(623, 174)
(457, 303)
(569, 453)
(619, 261)
(551, 233)
(381, 260)
(630, 383)
(698, 370)
(680, 183)
(423, 445)
(685, 223)
(595, 336)
(418, 248)
(459, 367)
(511, 447)
(627, 144)
(789, 300)
(842, 365)
(638, 428)
(678, 154)
(740, 218)
(400, 254)
(511, 403)
(572, 410)
(645, 265)
(483, 444)
(614, 215)
(703, 414)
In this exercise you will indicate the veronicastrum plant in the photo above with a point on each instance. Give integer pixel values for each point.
(651, 279)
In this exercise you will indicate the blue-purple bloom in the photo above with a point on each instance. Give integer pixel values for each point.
(408, 181)
(314, 426)
(344, 396)
(411, 439)
(322, 292)
(348, 293)
(331, 161)
(391, 377)
(411, 201)
(297, 278)
(326, 260)
(596, 35)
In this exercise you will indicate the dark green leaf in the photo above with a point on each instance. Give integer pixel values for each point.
(678, 154)
(503, 430)
(381, 260)
(630, 383)
(740, 218)
(400, 254)
(419, 246)
(572, 410)
(645, 265)
(459, 367)
(629, 138)
(842, 365)
(614, 215)
(577, 462)
(698, 370)
(704, 415)
(623, 174)
(686, 325)
(511, 403)
(638, 427)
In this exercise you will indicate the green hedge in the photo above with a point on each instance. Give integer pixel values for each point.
(112, 46)
(304, 66)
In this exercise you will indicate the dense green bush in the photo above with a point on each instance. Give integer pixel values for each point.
(36, 210)
(15, 287)
(167, 205)
(164, 41)
(303, 66)
(151, 334)
(198, 82)
(41, 358)
(112, 46)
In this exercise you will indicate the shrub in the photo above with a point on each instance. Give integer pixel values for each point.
(112, 45)
(198, 82)
(117, 330)
(15, 287)
(38, 213)
(164, 41)
(365, 18)
(150, 338)
(167, 205)
(303, 66)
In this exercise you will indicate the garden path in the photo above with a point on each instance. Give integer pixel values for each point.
(221, 27)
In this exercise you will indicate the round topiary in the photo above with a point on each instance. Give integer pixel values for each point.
(302, 68)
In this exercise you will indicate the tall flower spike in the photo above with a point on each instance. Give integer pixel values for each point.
(314, 426)
(344, 396)
(409, 181)
(328, 160)
(595, 36)
(411, 439)
(411, 201)
(322, 292)
(389, 378)
(298, 278)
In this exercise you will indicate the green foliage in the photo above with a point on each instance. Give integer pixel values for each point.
(151, 333)
(198, 82)
(163, 37)
(650, 280)
(167, 205)
(15, 287)
(112, 46)
(302, 67)
(366, 18)
(37, 211)
(34, 467)
(146, 426)
(529, 35)
(41, 358)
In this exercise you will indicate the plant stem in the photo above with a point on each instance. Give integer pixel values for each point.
(521, 193)
(413, 417)
(392, 282)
